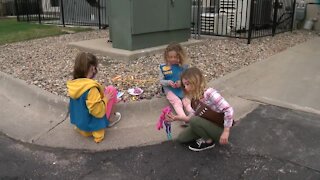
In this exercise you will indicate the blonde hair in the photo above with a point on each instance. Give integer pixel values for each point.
(174, 46)
(82, 64)
(196, 80)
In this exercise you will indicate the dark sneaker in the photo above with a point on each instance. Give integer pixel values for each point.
(200, 145)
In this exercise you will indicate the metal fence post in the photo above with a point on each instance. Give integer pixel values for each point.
(27, 11)
(17, 10)
(99, 13)
(62, 13)
(275, 16)
(251, 21)
(199, 19)
(293, 14)
(39, 11)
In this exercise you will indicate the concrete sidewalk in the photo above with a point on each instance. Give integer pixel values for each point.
(290, 79)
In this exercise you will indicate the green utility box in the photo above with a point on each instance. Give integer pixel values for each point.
(137, 24)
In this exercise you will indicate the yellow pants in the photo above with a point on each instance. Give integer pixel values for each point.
(98, 135)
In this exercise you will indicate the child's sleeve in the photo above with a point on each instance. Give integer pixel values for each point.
(222, 105)
(163, 82)
(96, 103)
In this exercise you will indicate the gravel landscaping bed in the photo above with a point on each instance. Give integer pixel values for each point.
(48, 62)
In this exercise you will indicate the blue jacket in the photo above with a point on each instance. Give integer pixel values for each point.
(87, 105)
(80, 116)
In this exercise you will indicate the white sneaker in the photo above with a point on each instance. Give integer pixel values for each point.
(117, 117)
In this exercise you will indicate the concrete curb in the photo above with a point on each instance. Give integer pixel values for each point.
(101, 46)
(266, 100)
(137, 127)
(30, 111)
(17, 90)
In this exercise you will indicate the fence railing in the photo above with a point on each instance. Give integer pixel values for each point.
(63, 12)
(245, 19)
(7, 8)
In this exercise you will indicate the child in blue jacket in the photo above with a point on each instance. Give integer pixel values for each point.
(87, 99)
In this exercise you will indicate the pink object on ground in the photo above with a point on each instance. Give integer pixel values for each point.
(135, 91)
(111, 101)
(162, 121)
(162, 117)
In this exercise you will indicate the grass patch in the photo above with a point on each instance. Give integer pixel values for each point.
(13, 31)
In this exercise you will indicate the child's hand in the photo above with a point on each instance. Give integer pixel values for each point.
(108, 95)
(170, 117)
(178, 84)
(172, 84)
(224, 137)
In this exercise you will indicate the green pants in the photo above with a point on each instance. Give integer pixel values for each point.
(200, 128)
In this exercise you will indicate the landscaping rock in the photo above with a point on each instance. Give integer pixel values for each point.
(48, 62)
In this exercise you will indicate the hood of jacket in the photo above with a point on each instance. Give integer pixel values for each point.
(77, 87)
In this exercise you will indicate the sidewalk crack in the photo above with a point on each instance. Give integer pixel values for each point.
(39, 136)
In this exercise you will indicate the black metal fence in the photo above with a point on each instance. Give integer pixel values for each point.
(63, 12)
(245, 19)
(7, 8)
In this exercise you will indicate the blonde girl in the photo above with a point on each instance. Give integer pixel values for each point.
(202, 134)
(170, 72)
